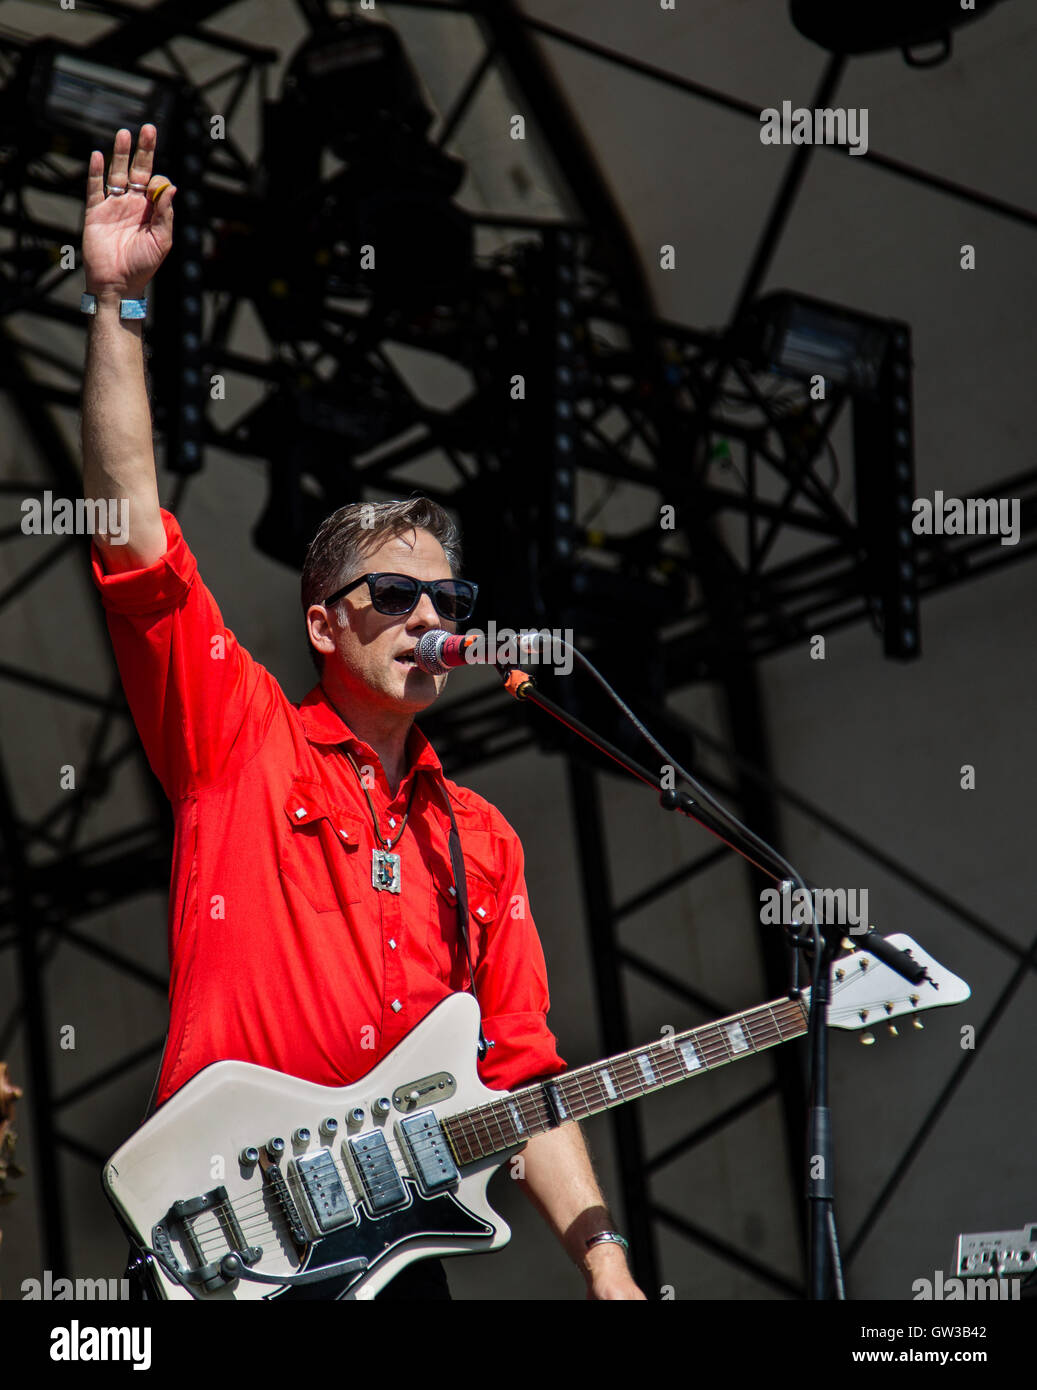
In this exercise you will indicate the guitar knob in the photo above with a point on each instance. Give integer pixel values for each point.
(329, 1126)
(275, 1147)
(356, 1115)
(249, 1156)
(382, 1105)
(301, 1136)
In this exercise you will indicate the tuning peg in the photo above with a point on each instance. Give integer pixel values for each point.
(847, 944)
(867, 1039)
(893, 1030)
(918, 1023)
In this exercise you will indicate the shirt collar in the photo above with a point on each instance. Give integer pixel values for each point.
(322, 723)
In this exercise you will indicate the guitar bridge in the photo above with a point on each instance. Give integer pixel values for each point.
(178, 1225)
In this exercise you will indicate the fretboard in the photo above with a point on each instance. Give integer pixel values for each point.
(507, 1123)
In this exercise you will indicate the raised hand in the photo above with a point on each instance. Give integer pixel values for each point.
(126, 236)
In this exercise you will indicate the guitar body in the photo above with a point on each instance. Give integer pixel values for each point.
(372, 1189)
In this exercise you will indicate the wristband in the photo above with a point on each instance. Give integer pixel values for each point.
(608, 1238)
(128, 308)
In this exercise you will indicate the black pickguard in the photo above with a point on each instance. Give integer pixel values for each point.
(376, 1238)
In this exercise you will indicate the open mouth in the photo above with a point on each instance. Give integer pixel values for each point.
(407, 659)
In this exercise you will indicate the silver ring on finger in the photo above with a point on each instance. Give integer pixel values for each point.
(114, 191)
(137, 187)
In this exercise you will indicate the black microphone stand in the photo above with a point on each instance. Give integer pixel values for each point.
(823, 1250)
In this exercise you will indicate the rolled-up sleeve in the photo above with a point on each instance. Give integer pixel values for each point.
(201, 704)
(511, 978)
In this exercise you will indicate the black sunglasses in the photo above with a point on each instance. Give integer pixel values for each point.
(396, 594)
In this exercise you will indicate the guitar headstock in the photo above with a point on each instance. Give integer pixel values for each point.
(864, 992)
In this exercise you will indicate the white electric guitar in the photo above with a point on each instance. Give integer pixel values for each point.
(251, 1184)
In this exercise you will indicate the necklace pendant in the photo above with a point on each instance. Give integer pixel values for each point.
(385, 871)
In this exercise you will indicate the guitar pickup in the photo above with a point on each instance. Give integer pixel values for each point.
(374, 1163)
(325, 1190)
(429, 1153)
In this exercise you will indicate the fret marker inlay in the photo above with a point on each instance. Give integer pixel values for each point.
(516, 1117)
(606, 1081)
(691, 1057)
(737, 1038)
(647, 1070)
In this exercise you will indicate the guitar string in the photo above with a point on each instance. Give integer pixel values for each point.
(253, 1207)
(792, 1016)
(768, 1022)
(765, 1020)
(253, 1210)
(254, 1204)
(623, 1071)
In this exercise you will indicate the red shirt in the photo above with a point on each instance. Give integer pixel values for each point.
(281, 950)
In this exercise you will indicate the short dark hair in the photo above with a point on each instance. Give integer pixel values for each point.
(346, 536)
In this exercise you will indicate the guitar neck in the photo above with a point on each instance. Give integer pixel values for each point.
(507, 1123)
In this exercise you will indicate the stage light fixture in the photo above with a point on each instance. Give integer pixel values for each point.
(913, 27)
(801, 337)
(71, 94)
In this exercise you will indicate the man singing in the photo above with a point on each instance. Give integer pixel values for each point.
(313, 919)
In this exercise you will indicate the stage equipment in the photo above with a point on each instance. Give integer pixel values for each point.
(886, 24)
(69, 93)
(998, 1254)
(801, 337)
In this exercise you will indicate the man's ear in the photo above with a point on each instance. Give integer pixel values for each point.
(320, 628)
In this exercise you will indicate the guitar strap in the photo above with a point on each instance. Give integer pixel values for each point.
(461, 888)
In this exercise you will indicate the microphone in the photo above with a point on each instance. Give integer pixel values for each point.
(438, 652)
